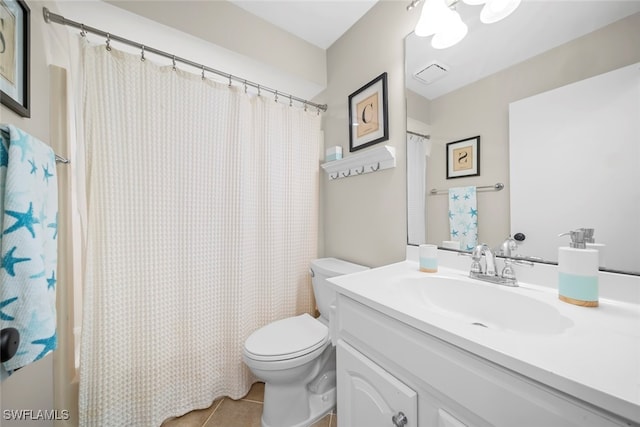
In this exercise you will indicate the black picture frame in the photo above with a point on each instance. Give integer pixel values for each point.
(463, 158)
(368, 114)
(15, 43)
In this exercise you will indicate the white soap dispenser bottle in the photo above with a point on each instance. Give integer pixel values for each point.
(578, 271)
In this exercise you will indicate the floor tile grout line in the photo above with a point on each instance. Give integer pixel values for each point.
(213, 412)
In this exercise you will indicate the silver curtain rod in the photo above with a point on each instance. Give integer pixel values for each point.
(497, 187)
(419, 134)
(59, 19)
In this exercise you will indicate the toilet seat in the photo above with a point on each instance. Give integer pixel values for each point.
(286, 339)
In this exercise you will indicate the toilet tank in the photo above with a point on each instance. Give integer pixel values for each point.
(323, 269)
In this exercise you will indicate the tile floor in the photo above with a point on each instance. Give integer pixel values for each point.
(245, 412)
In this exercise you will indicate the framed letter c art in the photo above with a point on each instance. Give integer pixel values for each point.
(368, 117)
(14, 56)
(463, 158)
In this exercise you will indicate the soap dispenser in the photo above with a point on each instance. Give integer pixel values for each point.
(578, 271)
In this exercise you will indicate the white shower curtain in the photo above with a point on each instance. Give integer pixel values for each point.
(202, 220)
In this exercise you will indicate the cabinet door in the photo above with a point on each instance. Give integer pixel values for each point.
(370, 396)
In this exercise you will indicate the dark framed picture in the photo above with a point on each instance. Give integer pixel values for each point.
(368, 116)
(14, 55)
(463, 158)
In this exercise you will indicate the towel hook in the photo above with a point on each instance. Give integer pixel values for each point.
(334, 177)
(361, 171)
(142, 54)
(376, 168)
(346, 174)
(108, 42)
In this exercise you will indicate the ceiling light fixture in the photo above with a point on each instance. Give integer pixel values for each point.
(440, 19)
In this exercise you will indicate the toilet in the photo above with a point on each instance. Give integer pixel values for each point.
(295, 359)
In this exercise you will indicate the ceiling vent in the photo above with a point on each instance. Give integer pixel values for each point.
(432, 72)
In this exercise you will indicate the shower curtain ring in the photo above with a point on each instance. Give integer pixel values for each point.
(83, 33)
(203, 72)
(245, 86)
(276, 98)
(173, 60)
(258, 90)
(305, 106)
(142, 54)
(108, 42)
(230, 80)
(290, 101)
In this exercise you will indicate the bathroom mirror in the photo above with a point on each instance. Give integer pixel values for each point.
(541, 47)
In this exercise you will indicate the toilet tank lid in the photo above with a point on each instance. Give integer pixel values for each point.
(330, 267)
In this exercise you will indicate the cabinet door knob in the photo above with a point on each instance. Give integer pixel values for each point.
(399, 419)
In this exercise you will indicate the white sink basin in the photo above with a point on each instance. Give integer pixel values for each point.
(481, 304)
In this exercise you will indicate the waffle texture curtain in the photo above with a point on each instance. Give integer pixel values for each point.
(202, 205)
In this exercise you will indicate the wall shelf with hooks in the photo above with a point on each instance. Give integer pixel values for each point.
(368, 161)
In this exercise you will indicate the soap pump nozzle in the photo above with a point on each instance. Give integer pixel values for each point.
(589, 235)
(577, 238)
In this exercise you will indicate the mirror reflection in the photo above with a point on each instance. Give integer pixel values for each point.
(489, 85)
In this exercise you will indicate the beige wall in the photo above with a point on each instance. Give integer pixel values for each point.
(231, 27)
(32, 386)
(364, 216)
(482, 109)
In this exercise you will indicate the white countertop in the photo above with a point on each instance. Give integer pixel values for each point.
(597, 359)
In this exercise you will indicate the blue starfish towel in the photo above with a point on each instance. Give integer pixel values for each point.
(463, 217)
(28, 244)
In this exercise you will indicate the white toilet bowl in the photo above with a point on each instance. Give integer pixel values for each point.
(295, 358)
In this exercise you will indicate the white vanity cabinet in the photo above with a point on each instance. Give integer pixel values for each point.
(385, 366)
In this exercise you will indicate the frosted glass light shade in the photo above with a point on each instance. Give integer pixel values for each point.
(452, 34)
(433, 18)
(495, 10)
(474, 2)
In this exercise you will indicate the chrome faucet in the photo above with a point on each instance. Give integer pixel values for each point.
(489, 272)
(490, 260)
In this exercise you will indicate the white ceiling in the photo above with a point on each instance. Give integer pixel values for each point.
(535, 27)
(320, 22)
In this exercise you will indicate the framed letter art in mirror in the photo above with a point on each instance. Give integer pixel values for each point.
(14, 56)
(463, 158)
(368, 117)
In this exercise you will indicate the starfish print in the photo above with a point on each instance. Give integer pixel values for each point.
(24, 219)
(4, 304)
(49, 345)
(34, 168)
(51, 282)
(4, 155)
(54, 225)
(22, 143)
(47, 174)
(9, 262)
